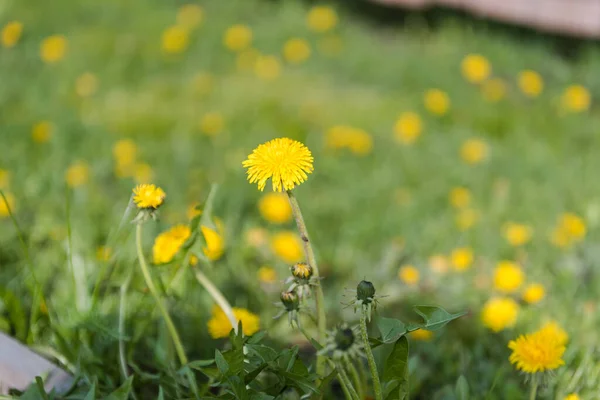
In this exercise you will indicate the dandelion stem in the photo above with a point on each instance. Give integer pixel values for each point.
(355, 378)
(346, 381)
(217, 297)
(534, 386)
(370, 358)
(312, 261)
(170, 326)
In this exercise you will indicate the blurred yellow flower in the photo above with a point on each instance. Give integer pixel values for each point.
(77, 174)
(219, 325)
(409, 275)
(534, 293)
(256, 237)
(461, 258)
(530, 83)
(517, 234)
(474, 151)
(460, 197)
(436, 102)
(275, 208)
(508, 277)
(212, 123)
(408, 127)
(103, 253)
(5, 205)
(168, 243)
(570, 229)
(267, 274)
(267, 67)
(193, 211)
(237, 37)
(421, 335)
(246, 59)
(285, 161)
(572, 396)
(576, 98)
(355, 139)
(86, 84)
(190, 16)
(11, 33)
(475, 68)
(148, 196)
(330, 45)
(203, 83)
(493, 90)
(555, 332)
(142, 173)
(4, 178)
(53, 48)
(42, 131)
(438, 263)
(125, 151)
(321, 19)
(296, 50)
(175, 39)
(499, 313)
(539, 351)
(466, 218)
(215, 246)
(286, 245)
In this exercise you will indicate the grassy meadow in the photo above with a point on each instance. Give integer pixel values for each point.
(455, 165)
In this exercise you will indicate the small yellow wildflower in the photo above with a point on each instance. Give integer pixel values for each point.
(572, 396)
(215, 246)
(190, 16)
(499, 313)
(517, 234)
(408, 127)
(53, 48)
(168, 243)
(466, 219)
(330, 45)
(438, 263)
(237, 37)
(321, 19)
(355, 139)
(6, 205)
(576, 98)
(125, 151)
(508, 277)
(555, 332)
(11, 33)
(460, 197)
(267, 274)
(421, 335)
(436, 102)
(473, 151)
(475, 68)
(530, 83)
(246, 59)
(142, 173)
(534, 293)
(77, 174)
(42, 131)
(267, 67)
(296, 50)
(148, 196)
(212, 123)
(537, 352)
(285, 161)
(103, 253)
(219, 325)
(275, 208)
(409, 275)
(286, 245)
(574, 226)
(4, 178)
(86, 85)
(461, 258)
(175, 39)
(493, 90)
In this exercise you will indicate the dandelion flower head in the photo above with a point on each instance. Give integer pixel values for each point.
(168, 244)
(11, 33)
(237, 37)
(534, 293)
(461, 258)
(286, 246)
(219, 325)
(321, 19)
(436, 102)
(530, 83)
(408, 128)
(539, 351)
(517, 234)
(77, 174)
(500, 313)
(296, 50)
(148, 196)
(53, 48)
(476, 68)
(215, 245)
(409, 275)
(6, 205)
(42, 132)
(275, 208)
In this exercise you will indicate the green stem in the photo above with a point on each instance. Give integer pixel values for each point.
(217, 297)
(346, 381)
(355, 378)
(370, 358)
(161, 307)
(312, 261)
(534, 386)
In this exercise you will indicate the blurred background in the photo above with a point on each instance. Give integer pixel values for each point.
(445, 145)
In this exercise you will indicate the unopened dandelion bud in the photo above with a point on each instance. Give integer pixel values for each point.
(344, 338)
(290, 300)
(302, 271)
(365, 292)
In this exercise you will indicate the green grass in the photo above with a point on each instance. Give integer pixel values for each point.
(549, 160)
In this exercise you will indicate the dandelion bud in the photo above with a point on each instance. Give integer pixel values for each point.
(365, 291)
(290, 300)
(344, 338)
(302, 271)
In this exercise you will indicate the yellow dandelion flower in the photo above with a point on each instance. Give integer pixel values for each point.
(572, 396)
(11, 33)
(219, 325)
(190, 16)
(475, 68)
(355, 139)
(461, 258)
(203, 83)
(530, 83)
(53, 48)
(330, 45)
(474, 151)
(142, 173)
(285, 161)
(212, 123)
(246, 59)
(4, 178)
(534, 293)
(215, 246)
(7, 205)
(287, 246)
(436, 102)
(460, 197)
(193, 211)
(267, 67)
(500, 313)
(125, 152)
(517, 234)
(576, 98)
(275, 208)
(237, 37)
(266, 274)
(175, 39)
(168, 243)
(508, 277)
(148, 196)
(537, 352)
(408, 127)
(438, 263)
(77, 174)
(103, 253)
(409, 275)
(466, 219)
(256, 237)
(42, 132)
(321, 19)
(555, 333)
(574, 226)
(493, 90)
(296, 50)
(86, 85)
(421, 334)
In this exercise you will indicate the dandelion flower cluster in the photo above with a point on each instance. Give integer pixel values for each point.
(539, 351)
(168, 244)
(219, 325)
(148, 196)
(500, 313)
(275, 208)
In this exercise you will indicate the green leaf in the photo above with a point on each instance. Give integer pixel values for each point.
(298, 381)
(390, 328)
(254, 373)
(239, 388)
(395, 373)
(327, 380)
(91, 395)
(462, 388)
(221, 362)
(197, 364)
(40, 384)
(256, 338)
(435, 317)
(122, 393)
(265, 353)
(161, 394)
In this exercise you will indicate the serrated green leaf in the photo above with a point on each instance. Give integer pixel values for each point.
(395, 373)
(222, 364)
(435, 317)
(122, 393)
(390, 328)
(462, 388)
